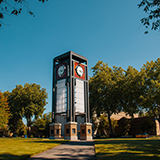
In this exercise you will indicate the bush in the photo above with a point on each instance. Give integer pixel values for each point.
(1, 134)
(125, 125)
(147, 126)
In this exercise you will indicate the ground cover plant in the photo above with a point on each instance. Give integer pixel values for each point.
(23, 148)
(128, 148)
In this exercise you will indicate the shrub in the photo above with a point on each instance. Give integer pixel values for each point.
(31, 136)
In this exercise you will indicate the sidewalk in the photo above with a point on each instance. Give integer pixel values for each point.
(71, 150)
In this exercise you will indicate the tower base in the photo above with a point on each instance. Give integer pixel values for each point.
(70, 131)
(55, 131)
(86, 131)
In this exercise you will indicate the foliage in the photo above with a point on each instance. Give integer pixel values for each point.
(4, 112)
(147, 126)
(15, 108)
(103, 127)
(132, 91)
(125, 125)
(152, 9)
(20, 128)
(106, 90)
(150, 99)
(27, 101)
(14, 8)
(23, 148)
(42, 124)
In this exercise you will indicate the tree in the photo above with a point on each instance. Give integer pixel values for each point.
(20, 128)
(27, 101)
(42, 124)
(106, 90)
(150, 99)
(132, 90)
(16, 109)
(14, 8)
(152, 9)
(104, 124)
(4, 112)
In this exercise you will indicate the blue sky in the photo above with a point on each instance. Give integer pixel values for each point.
(108, 30)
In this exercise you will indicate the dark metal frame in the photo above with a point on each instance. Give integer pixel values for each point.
(70, 57)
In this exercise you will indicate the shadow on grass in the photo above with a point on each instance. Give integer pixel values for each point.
(125, 156)
(112, 149)
(13, 157)
(82, 143)
(58, 142)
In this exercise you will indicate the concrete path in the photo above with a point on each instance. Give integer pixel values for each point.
(71, 150)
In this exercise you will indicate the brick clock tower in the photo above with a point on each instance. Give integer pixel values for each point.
(70, 97)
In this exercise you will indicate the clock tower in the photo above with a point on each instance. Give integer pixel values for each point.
(70, 98)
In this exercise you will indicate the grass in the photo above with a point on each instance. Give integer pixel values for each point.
(21, 149)
(128, 149)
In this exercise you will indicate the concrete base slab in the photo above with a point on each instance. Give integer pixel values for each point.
(55, 137)
(72, 138)
(87, 138)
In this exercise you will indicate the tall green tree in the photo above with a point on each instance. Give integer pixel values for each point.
(106, 90)
(132, 91)
(27, 101)
(150, 100)
(152, 10)
(16, 108)
(4, 112)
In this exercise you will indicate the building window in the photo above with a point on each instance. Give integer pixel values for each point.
(73, 131)
(89, 131)
(67, 131)
(83, 131)
(57, 131)
(52, 131)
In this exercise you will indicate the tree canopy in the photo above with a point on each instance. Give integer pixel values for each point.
(14, 7)
(106, 90)
(4, 112)
(27, 101)
(152, 9)
(113, 90)
(150, 99)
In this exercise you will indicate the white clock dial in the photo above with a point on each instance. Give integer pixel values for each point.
(79, 71)
(61, 71)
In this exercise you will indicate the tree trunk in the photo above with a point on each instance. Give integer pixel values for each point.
(157, 117)
(28, 127)
(110, 125)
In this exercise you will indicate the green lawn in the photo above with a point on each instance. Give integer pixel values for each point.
(127, 149)
(21, 148)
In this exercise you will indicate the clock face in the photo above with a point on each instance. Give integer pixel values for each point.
(79, 71)
(61, 70)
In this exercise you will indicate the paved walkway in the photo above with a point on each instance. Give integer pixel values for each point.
(71, 150)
